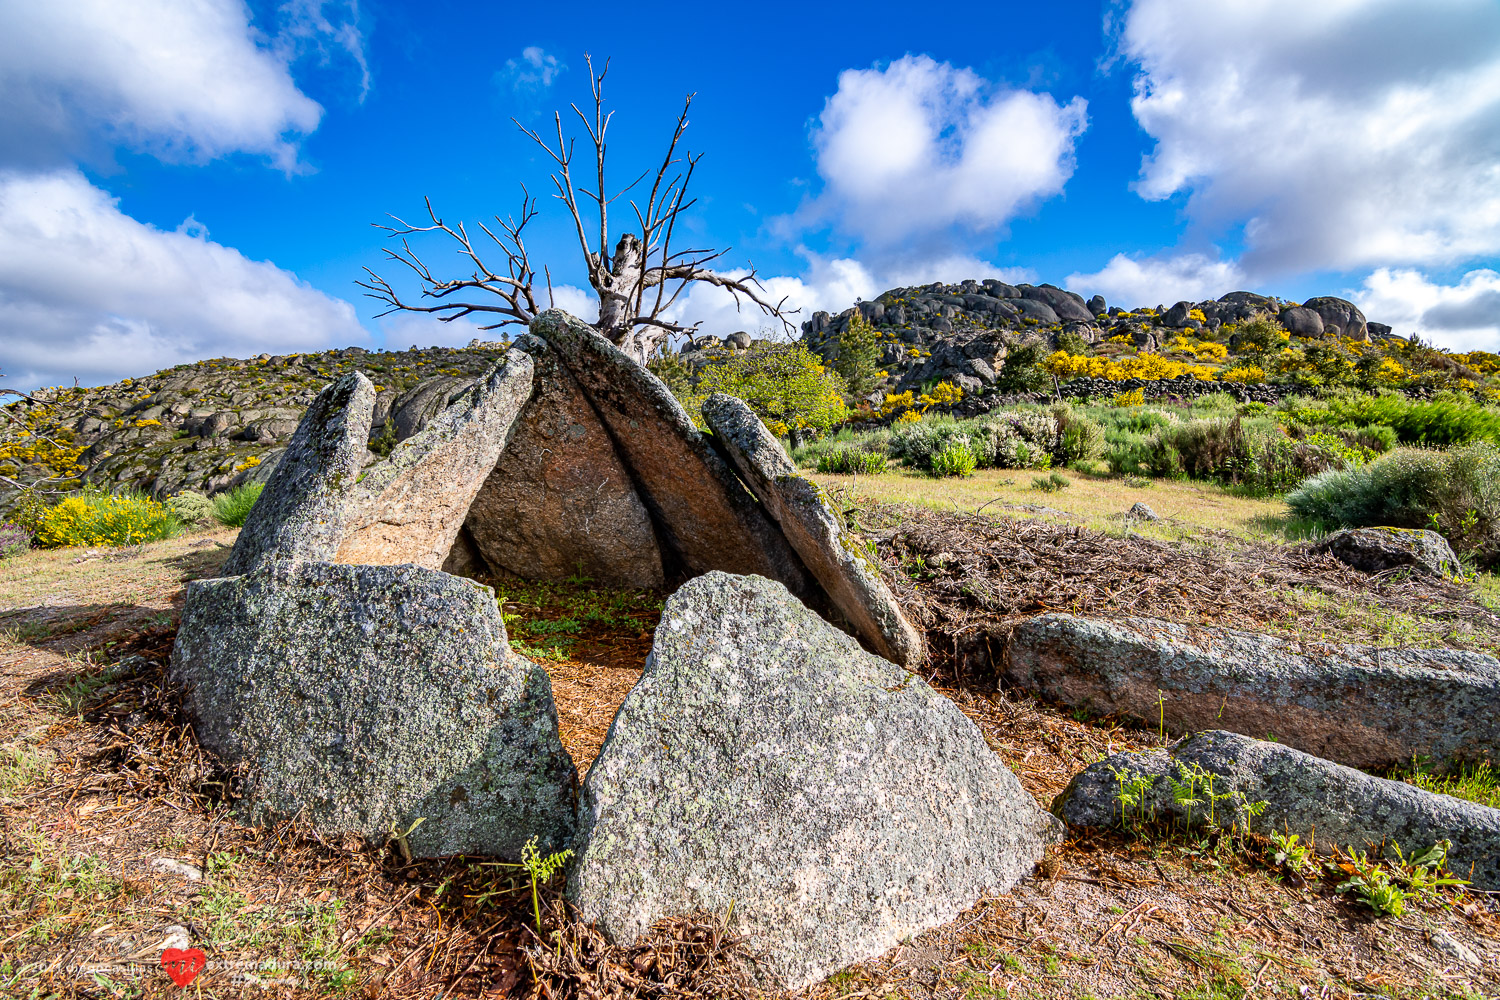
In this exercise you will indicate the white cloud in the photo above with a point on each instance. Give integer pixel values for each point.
(181, 80)
(921, 146)
(1341, 134)
(532, 71)
(307, 27)
(87, 291)
(1130, 282)
(1465, 316)
(581, 302)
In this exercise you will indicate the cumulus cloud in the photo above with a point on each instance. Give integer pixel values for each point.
(1340, 135)
(87, 291)
(533, 70)
(920, 147)
(1140, 281)
(1463, 316)
(183, 81)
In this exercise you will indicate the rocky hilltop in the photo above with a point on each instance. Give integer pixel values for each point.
(216, 423)
(961, 333)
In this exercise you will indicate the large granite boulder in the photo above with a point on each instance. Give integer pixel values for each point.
(1340, 316)
(559, 502)
(703, 515)
(409, 508)
(1301, 321)
(835, 559)
(1327, 804)
(1357, 705)
(1375, 550)
(417, 406)
(765, 760)
(361, 698)
(300, 513)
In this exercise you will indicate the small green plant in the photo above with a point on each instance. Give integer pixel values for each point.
(1475, 782)
(14, 540)
(1423, 874)
(1051, 483)
(954, 459)
(1133, 797)
(1288, 852)
(231, 507)
(385, 442)
(1372, 884)
(540, 870)
(852, 461)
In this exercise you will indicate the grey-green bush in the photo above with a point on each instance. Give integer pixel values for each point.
(1456, 493)
(190, 506)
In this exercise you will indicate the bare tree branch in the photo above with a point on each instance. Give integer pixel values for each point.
(641, 260)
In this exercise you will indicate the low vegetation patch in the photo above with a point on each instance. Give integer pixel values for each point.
(98, 518)
(231, 507)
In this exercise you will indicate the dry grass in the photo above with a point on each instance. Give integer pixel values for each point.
(1181, 504)
(103, 782)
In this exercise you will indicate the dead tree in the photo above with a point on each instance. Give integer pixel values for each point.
(638, 281)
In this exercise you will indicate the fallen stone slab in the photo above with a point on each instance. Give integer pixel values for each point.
(410, 507)
(300, 512)
(1375, 550)
(364, 698)
(1357, 705)
(835, 558)
(703, 515)
(765, 760)
(558, 502)
(1325, 804)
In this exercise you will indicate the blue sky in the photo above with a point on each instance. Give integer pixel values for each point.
(182, 180)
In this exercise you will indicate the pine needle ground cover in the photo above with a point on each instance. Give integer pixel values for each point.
(118, 828)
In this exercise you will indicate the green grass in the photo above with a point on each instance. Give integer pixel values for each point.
(20, 768)
(231, 507)
(1476, 782)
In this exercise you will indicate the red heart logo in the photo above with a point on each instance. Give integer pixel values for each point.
(183, 964)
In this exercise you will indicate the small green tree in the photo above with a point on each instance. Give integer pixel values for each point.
(1022, 371)
(785, 384)
(859, 356)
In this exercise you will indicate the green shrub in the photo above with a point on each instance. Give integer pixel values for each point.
(1439, 423)
(231, 507)
(98, 518)
(1080, 439)
(1456, 493)
(785, 384)
(847, 460)
(1022, 371)
(859, 356)
(1050, 484)
(954, 459)
(190, 506)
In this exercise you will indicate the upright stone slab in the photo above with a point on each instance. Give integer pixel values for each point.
(1325, 804)
(300, 513)
(834, 558)
(410, 507)
(361, 698)
(1357, 705)
(703, 515)
(558, 502)
(765, 760)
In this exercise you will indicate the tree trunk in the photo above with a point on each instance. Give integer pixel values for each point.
(617, 303)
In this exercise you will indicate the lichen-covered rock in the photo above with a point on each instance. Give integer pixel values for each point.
(765, 760)
(559, 502)
(409, 508)
(361, 698)
(300, 513)
(1374, 550)
(834, 558)
(1358, 705)
(1324, 803)
(703, 515)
